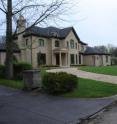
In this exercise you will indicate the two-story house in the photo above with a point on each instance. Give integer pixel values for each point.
(54, 46)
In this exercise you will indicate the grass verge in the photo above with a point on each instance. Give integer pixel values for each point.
(108, 70)
(12, 83)
(93, 89)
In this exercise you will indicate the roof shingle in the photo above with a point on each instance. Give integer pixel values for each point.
(93, 51)
(49, 32)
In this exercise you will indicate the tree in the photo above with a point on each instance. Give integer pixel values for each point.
(103, 49)
(36, 12)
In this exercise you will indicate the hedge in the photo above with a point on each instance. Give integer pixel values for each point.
(59, 83)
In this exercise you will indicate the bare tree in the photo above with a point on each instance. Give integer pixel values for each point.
(35, 11)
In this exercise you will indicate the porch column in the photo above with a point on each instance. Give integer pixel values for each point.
(74, 59)
(60, 62)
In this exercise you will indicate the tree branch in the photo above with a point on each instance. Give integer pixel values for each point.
(3, 10)
(26, 7)
(3, 5)
(44, 15)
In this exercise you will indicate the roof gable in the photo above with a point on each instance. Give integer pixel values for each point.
(49, 32)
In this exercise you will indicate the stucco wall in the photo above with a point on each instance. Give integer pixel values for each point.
(100, 60)
(47, 49)
(89, 60)
(74, 51)
(104, 60)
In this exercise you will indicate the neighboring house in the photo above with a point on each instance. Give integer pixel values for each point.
(93, 57)
(16, 51)
(54, 46)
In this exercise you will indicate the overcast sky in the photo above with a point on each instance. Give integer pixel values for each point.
(95, 21)
(98, 24)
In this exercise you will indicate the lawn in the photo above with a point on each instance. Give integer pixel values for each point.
(93, 89)
(108, 70)
(12, 83)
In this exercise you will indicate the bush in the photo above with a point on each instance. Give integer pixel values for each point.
(19, 68)
(2, 71)
(59, 83)
(49, 65)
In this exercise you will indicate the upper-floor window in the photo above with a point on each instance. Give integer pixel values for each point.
(76, 45)
(82, 48)
(41, 42)
(67, 44)
(79, 47)
(72, 44)
(57, 43)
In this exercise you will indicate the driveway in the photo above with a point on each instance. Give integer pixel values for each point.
(18, 107)
(88, 75)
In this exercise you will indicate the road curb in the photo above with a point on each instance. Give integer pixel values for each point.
(88, 118)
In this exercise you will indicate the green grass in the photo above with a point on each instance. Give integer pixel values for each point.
(12, 83)
(108, 70)
(93, 89)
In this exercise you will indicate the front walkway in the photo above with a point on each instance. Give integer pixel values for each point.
(88, 75)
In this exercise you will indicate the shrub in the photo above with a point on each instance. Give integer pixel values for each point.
(59, 83)
(19, 68)
(2, 71)
(49, 66)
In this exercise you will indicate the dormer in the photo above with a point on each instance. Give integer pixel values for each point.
(54, 34)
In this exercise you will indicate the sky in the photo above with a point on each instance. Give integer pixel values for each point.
(95, 21)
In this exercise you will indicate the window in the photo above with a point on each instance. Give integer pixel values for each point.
(41, 58)
(107, 58)
(26, 42)
(76, 45)
(67, 44)
(41, 42)
(76, 59)
(97, 57)
(55, 34)
(72, 44)
(57, 43)
(79, 59)
(72, 59)
(82, 48)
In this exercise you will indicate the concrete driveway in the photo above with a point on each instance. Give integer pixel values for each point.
(88, 75)
(18, 107)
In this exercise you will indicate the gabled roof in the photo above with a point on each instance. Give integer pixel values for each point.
(93, 51)
(83, 43)
(49, 32)
(3, 47)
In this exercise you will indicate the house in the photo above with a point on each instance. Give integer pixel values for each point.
(54, 46)
(16, 51)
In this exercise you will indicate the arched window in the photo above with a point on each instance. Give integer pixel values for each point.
(72, 44)
(57, 43)
(41, 42)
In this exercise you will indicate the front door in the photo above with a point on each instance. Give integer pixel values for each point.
(57, 59)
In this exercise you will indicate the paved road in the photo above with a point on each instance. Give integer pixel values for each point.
(88, 75)
(18, 107)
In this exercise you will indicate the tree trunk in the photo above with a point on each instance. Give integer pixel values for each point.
(9, 41)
